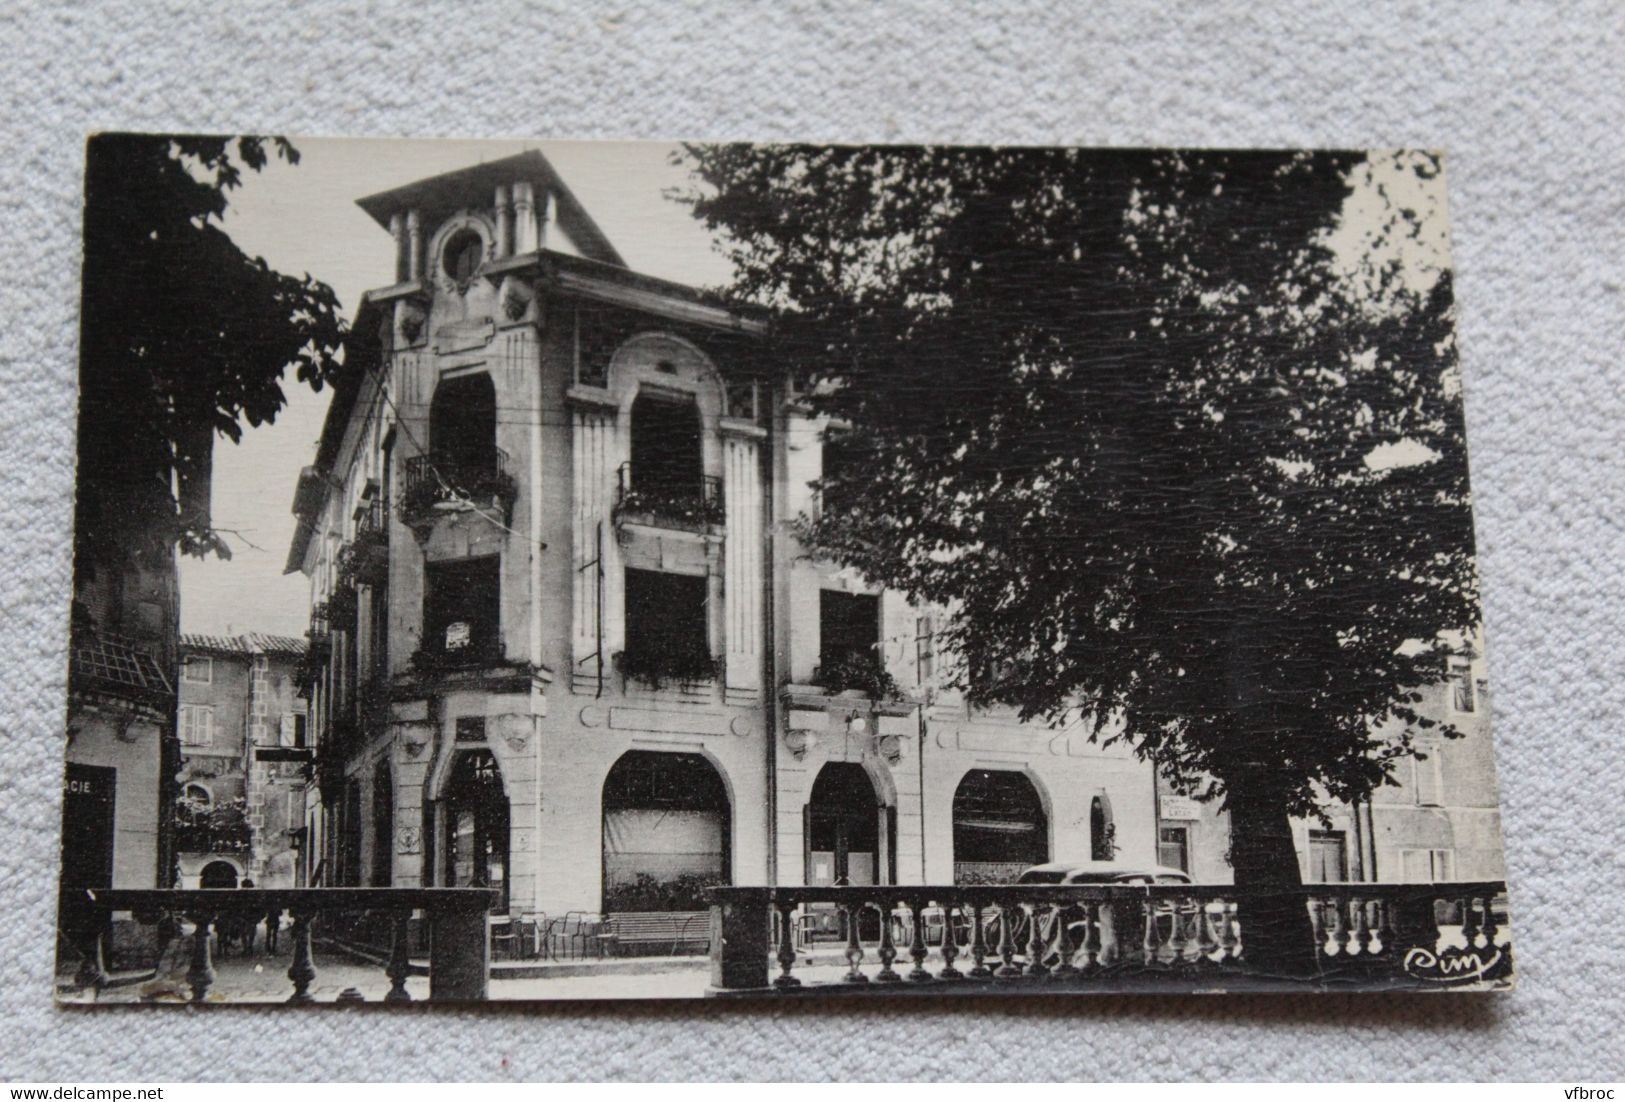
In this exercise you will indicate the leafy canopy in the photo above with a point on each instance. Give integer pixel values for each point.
(183, 336)
(1168, 451)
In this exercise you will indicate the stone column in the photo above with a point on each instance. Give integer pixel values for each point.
(414, 246)
(504, 211)
(742, 564)
(524, 217)
(397, 230)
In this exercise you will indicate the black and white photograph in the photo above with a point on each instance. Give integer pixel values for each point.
(567, 570)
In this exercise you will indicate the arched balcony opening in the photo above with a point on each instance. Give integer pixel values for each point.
(463, 466)
(664, 483)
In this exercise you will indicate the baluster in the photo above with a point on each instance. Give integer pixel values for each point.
(916, 943)
(1206, 943)
(92, 971)
(1385, 925)
(1317, 919)
(1007, 943)
(1064, 968)
(1469, 921)
(854, 950)
(1091, 935)
(787, 945)
(1489, 928)
(950, 943)
(1152, 947)
(303, 969)
(1362, 929)
(400, 962)
(888, 946)
(200, 976)
(1340, 908)
(1177, 941)
(978, 945)
(1229, 943)
(1035, 942)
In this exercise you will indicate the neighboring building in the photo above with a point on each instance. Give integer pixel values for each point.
(121, 753)
(563, 643)
(1440, 819)
(240, 812)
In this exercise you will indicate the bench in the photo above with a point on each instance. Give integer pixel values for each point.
(644, 933)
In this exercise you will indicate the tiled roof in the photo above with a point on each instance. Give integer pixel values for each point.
(255, 642)
(106, 663)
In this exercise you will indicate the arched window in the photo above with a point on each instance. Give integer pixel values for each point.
(462, 256)
(218, 874)
(476, 849)
(1102, 830)
(383, 823)
(667, 824)
(999, 827)
(198, 796)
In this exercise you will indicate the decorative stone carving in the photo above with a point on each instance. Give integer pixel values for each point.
(799, 742)
(515, 297)
(889, 747)
(408, 840)
(517, 741)
(740, 725)
(592, 716)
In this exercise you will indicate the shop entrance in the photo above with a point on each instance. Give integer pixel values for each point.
(476, 840)
(850, 840)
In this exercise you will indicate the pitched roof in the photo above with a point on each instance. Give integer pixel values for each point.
(438, 196)
(255, 642)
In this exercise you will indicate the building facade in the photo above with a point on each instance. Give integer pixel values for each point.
(240, 809)
(1438, 819)
(564, 643)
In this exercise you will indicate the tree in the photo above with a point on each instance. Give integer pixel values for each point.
(1173, 460)
(182, 336)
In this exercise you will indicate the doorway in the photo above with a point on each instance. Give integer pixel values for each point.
(476, 840)
(217, 874)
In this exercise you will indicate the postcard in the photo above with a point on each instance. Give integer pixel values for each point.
(537, 570)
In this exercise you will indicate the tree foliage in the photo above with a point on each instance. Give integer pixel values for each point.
(1167, 453)
(183, 336)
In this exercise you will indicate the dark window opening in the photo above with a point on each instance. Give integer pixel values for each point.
(999, 827)
(463, 255)
(667, 823)
(300, 728)
(851, 839)
(349, 837)
(849, 640)
(666, 627)
(476, 843)
(463, 422)
(665, 445)
(462, 608)
(1102, 831)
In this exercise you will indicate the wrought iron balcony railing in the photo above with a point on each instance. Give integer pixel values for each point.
(684, 505)
(476, 478)
(365, 559)
(1164, 936)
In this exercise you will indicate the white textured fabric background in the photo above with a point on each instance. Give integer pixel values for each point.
(1527, 101)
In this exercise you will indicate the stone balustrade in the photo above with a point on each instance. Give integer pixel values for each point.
(1110, 935)
(456, 920)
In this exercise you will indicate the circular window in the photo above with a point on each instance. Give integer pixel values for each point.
(463, 255)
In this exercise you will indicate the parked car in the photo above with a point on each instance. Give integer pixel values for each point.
(1106, 872)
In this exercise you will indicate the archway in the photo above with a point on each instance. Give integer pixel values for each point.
(218, 874)
(476, 838)
(999, 827)
(667, 828)
(851, 835)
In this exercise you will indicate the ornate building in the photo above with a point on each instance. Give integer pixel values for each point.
(563, 642)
